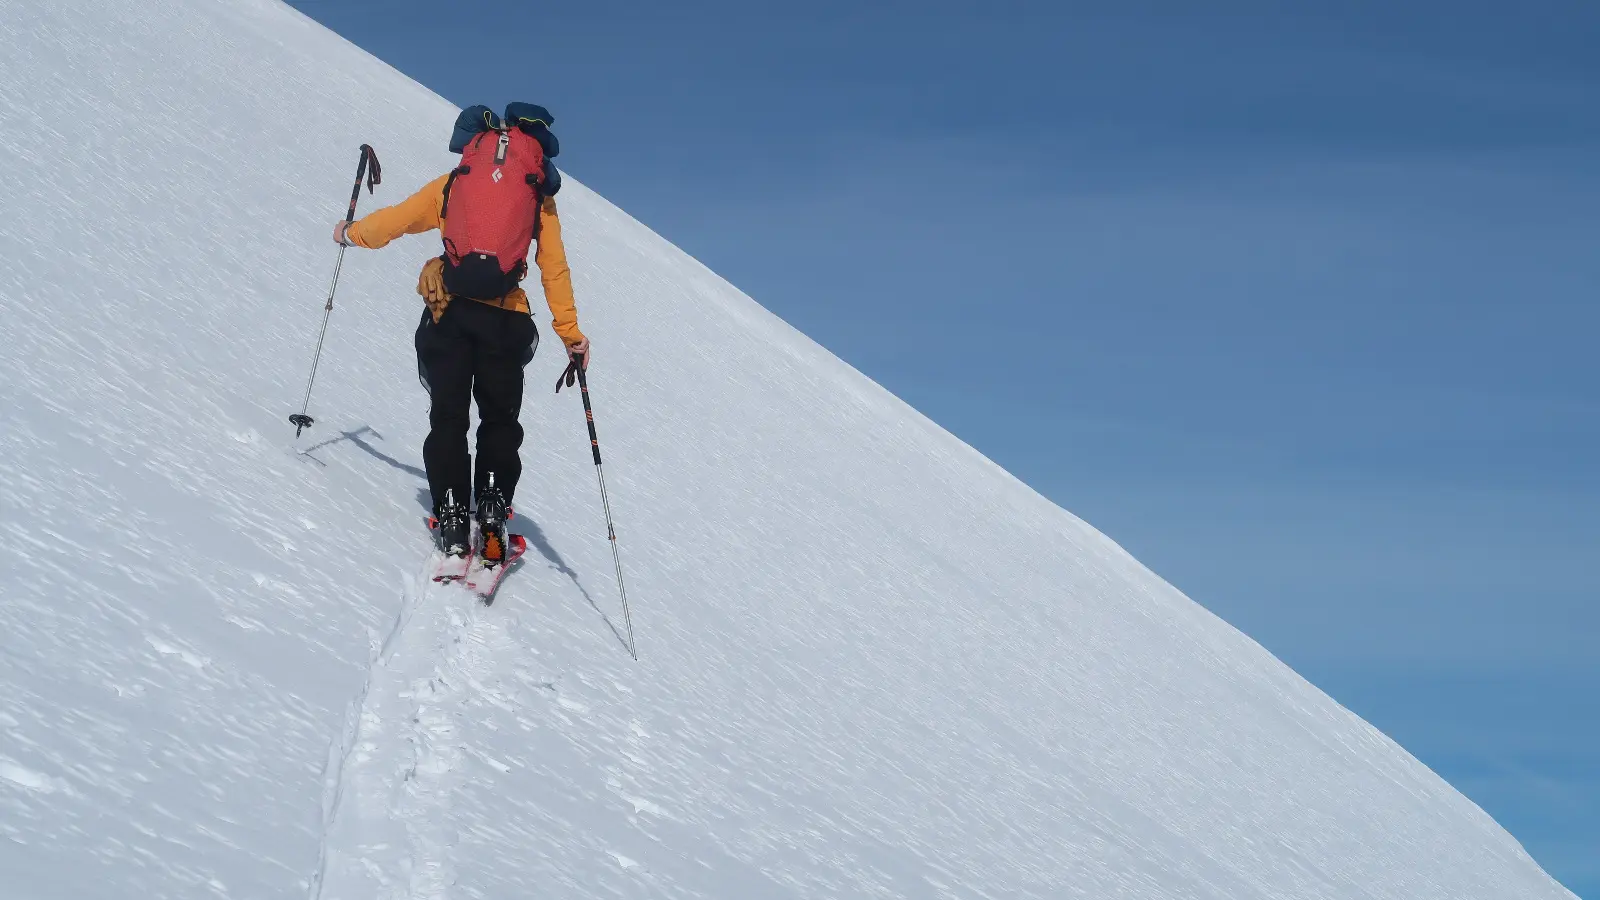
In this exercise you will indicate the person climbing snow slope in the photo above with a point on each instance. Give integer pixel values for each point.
(477, 333)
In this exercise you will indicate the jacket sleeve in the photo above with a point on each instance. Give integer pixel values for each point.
(551, 257)
(413, 215)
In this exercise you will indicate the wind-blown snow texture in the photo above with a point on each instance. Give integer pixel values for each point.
(873, 664)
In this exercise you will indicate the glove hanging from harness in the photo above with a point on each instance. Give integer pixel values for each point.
(430, 285)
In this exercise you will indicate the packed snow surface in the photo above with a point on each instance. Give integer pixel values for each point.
(872, 664)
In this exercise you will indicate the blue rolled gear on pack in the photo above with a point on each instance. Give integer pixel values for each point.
(531, 119)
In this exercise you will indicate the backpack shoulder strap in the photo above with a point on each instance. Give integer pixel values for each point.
(459, 171)
(538, 203)
(444, 208)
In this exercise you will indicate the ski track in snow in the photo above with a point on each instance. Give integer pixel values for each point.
(388, 770)
(872, 664)
(397, 764)
(345, 743)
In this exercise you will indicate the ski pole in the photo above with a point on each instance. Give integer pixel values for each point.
(576, 367)
(367, 168)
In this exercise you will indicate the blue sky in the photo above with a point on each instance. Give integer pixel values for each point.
(1296, 301)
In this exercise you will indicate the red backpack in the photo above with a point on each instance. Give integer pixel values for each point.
(491, 214)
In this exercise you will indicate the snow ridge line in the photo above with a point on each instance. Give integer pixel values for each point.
(344, 741)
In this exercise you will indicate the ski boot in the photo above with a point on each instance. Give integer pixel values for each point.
(493, 513)
(452, 528)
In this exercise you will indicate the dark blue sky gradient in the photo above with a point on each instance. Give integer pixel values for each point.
(1296, 301)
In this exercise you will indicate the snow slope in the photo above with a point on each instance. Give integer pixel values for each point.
(872, 663)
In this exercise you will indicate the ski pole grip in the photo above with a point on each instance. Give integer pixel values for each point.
(588, 411)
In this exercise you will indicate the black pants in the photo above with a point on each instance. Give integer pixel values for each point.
(475, 351)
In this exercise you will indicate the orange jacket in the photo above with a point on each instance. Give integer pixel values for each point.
(420, 212)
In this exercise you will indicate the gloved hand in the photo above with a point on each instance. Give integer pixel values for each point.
(340, 235)
(430, 284)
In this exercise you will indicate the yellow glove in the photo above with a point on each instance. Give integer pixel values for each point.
(431, 286)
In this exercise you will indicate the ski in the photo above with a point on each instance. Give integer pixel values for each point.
(483, 581)
(451, 568)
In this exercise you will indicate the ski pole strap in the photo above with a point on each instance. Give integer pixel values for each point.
(374, 173)
(367, 168)
(569, 376)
